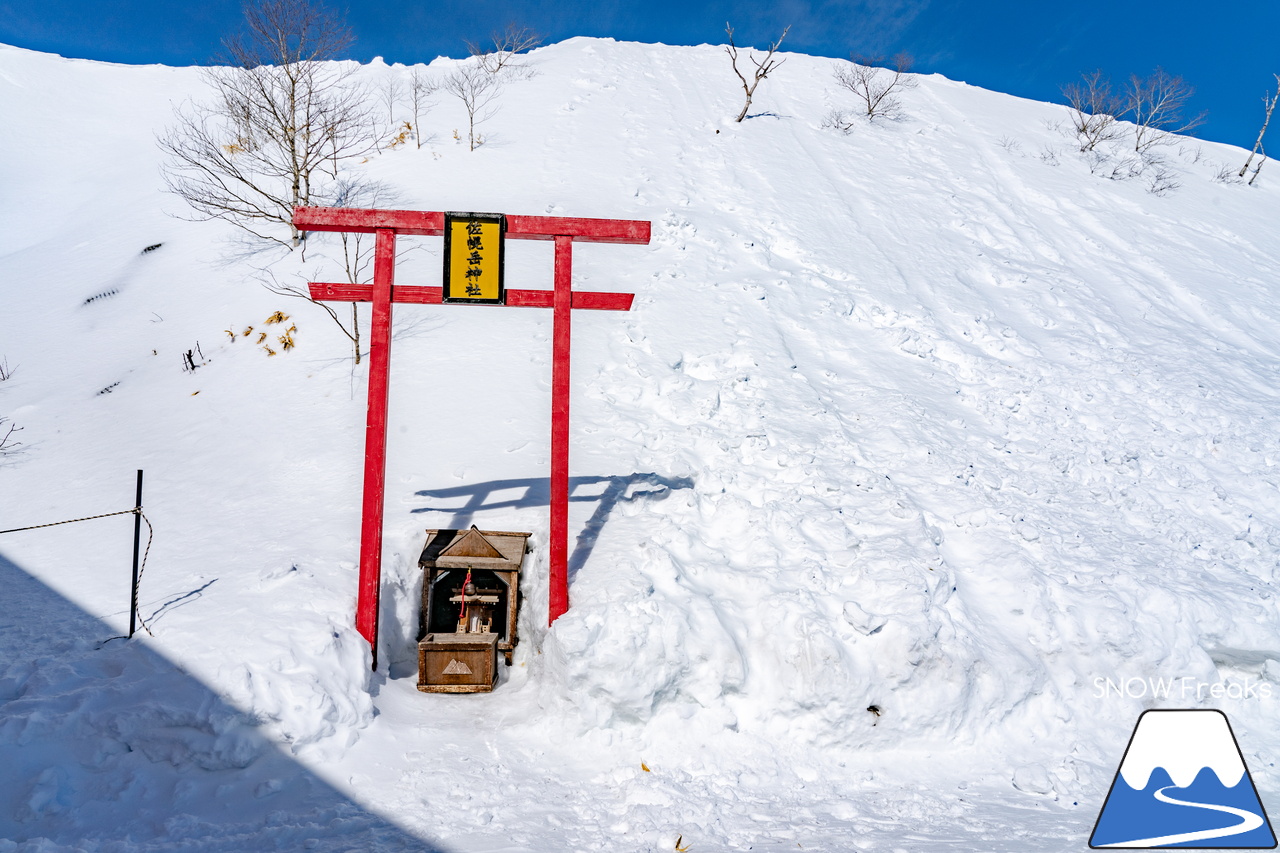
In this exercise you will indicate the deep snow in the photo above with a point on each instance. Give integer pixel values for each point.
(928, 417)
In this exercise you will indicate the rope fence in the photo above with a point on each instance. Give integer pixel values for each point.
(142, 566)
(138, 568)
(133, 511)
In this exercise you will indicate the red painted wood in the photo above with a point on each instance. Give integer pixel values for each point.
(583, 230)
(562, 314)
(375, 441)
(419, 295)
(336, 292)
(530, 298)
(583, 299)
(431, 223)
(328, 291)
(382, 293)
(603, 301)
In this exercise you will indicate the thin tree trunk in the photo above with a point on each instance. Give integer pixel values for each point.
(1271, 105)
(1258, 168)
(355, 331)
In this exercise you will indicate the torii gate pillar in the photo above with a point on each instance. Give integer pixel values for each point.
(386, 225)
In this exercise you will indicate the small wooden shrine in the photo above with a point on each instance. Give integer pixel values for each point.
(470, 601)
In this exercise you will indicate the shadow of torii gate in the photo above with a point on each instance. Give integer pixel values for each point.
(536, 492)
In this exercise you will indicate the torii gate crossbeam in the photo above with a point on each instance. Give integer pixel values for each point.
(386, 225)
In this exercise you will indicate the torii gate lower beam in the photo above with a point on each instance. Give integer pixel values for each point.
(386, 224)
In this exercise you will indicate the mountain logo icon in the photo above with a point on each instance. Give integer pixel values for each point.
(1183, 784)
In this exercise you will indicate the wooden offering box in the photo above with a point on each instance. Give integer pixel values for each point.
(458, 663)
(492, 559)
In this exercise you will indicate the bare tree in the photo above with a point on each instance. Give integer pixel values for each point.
(8, 445)
(1156, 104)
(507, 44)
(877, 92)
(421, 87)
(1269, 105)
(1094, 108)
(476, 88)
(1161, 180)
(763, 68)
(391, 92)
(281, 124)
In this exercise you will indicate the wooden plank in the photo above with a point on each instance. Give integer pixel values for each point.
(582, 299)
(529, 298)
(431, 224)
(632, 231)
(418, 295)
(375, 441)
(324, 291)
(596, 301)
(423, 223)
(562, 316)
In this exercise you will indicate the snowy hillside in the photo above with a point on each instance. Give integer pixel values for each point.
(929, 418)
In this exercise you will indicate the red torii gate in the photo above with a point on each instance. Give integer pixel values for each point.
(386, 224)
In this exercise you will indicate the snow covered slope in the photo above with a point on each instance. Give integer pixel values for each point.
(929, 418)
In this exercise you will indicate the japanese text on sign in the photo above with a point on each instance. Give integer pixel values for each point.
(473, 258)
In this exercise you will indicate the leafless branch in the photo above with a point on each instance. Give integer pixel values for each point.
(421, 87)
(7, 443)
(357, 255)
(300, 291)
(281, 124)
(1156, 103)
(287, 32)
(1162, 180)
(507, 44)
(875, 85)
(476, 88)
(1093, 110)
(391, 92)
(763, 68)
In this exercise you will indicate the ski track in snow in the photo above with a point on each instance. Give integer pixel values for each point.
(924, 417)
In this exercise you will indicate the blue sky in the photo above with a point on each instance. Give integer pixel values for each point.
(1030, 49)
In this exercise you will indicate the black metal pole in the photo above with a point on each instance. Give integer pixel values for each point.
(137, 540)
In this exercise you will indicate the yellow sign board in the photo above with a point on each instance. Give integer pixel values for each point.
(473, 262)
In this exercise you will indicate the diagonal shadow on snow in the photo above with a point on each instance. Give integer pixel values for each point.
(536, 492)
(115, 748)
